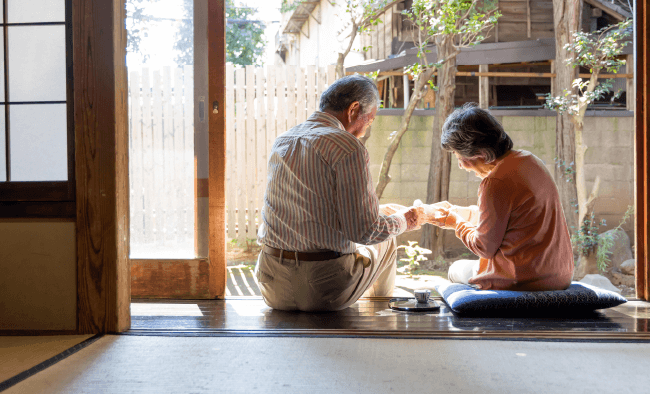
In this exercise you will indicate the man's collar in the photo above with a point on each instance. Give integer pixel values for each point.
(329, 119)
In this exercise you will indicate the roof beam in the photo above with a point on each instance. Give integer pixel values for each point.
(612, 9)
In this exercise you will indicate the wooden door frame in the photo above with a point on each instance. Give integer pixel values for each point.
(100, 100)
(642, 148)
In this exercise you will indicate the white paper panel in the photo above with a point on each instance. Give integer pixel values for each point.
(25, 11)
(38, 139)
(37, 63)
(2, 67)
(3, 146)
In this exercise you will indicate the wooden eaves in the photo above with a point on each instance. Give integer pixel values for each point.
(487, 53)
(612, 9)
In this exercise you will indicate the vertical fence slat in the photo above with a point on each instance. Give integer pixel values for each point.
(250, 150)
(147, 158)
(158, 158)
(188, 152)
(291, 97)
(180, 181)
(240, 132)
(322, 79)
(311, 90)
(331, 74)
(135, 160)
(260, 140)
(281, 118)
(168, 200)
(301, 104)
(231, 151)
(271, 104)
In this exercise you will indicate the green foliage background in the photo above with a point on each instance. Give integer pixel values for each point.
(244, 42)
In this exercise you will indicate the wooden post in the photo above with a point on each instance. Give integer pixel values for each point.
(528, 22)
(641, 152)
(553, 89)
(407, 90)
(483, 87)
(216, 29)
(630, 88)
(101, 166)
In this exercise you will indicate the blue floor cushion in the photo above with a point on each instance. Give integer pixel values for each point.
(579, 297)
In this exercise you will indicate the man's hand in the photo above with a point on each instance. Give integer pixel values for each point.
(420, 213)
(438, 213)
(415, 218)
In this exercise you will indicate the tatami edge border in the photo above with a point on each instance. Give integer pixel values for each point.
(542, 336)
(47, 363)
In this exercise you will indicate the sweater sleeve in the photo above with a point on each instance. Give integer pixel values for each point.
(494, 207)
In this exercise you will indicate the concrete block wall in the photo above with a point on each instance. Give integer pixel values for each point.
(610, 155)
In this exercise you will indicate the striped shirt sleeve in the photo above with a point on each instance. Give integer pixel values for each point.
(357, 203)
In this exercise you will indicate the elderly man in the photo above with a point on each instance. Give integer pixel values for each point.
(326, 241)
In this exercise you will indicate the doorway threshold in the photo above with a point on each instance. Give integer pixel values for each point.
(372, 318)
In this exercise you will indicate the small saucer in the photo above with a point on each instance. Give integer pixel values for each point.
(411, 305)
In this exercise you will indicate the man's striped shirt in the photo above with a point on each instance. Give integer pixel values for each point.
(320, 194)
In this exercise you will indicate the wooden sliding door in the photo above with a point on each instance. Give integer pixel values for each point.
(169, 265)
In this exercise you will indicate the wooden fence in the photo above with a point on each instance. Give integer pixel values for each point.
(261, 103)
(161, 160)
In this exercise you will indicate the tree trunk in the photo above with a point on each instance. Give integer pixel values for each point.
(418, 93)
(567, 15)
(339, 66)
(585, 203)
(440, 165)
(340, 61)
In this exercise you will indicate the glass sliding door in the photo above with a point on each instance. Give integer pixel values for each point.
(168, 155)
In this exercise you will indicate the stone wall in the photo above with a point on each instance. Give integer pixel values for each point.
(611, 155)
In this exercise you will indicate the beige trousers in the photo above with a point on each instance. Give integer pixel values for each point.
(329, 285)
(461, 271)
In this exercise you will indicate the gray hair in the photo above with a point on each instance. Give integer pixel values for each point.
(345, 91)
(471, 131)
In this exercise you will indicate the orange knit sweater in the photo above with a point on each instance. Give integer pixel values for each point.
(521, 235)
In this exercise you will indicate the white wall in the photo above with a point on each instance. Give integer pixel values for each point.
(326, 39)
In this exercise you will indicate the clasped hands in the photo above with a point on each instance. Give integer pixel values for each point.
(419, 214)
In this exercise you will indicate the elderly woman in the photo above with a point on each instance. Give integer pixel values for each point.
(518, 229)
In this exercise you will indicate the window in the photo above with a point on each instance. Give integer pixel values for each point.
(36, 114)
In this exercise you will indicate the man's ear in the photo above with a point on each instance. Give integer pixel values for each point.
(353, 112)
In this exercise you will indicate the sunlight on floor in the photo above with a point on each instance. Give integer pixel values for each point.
(151, 309)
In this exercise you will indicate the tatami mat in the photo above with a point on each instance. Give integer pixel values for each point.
(18, 354)
(132, 364)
